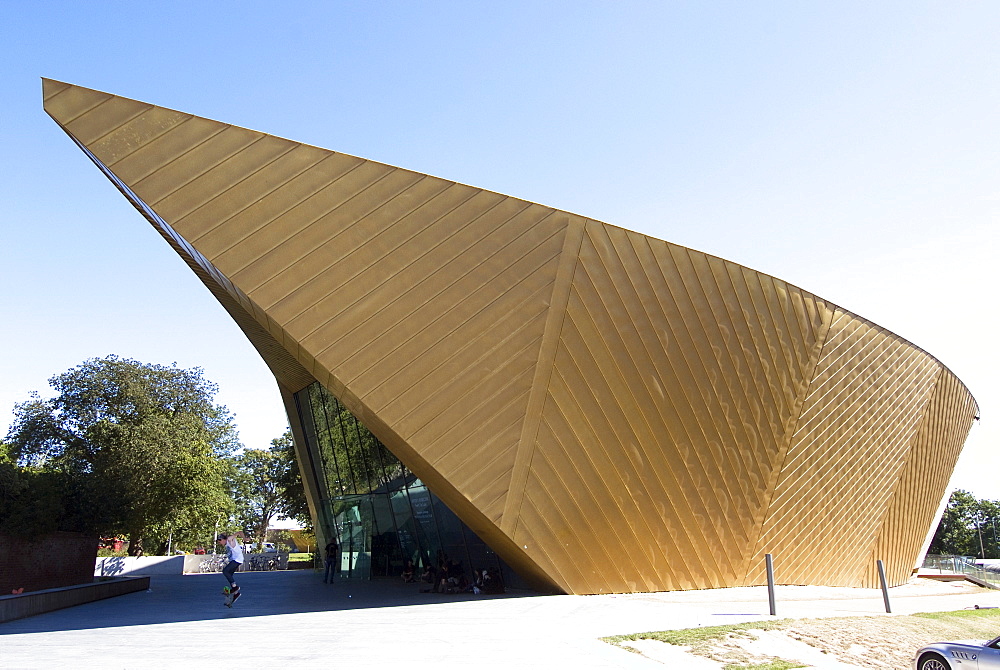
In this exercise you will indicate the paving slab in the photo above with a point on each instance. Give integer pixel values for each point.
(291, 617)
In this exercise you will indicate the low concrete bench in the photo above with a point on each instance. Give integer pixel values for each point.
(36, 602)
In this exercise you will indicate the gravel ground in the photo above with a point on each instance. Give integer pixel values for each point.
(841, 643)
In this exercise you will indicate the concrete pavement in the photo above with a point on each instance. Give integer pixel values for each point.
(291, 618)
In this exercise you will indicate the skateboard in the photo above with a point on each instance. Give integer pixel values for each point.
(231, 595)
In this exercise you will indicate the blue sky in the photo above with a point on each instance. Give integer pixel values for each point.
(850, 148)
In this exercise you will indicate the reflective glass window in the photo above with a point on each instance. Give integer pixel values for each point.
(380, 512)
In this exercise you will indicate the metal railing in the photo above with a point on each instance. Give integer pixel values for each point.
(963, 565)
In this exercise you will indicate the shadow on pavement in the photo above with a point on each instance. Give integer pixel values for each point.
(181, 598)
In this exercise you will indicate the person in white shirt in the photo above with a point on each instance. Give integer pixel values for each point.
(234, 552)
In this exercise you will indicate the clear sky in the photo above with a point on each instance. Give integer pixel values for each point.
(850, 148)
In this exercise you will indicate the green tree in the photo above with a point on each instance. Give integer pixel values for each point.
(267, 484)
(989, 523)
(149, 439)
(7, 453)
(290, 481)
(35, 502)
(964, 527)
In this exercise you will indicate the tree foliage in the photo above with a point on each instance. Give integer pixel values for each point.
(968, 527)
(258, 494)
(354, 461)
(36, 502)
(290, 481)
(146, 443)
(267, 484)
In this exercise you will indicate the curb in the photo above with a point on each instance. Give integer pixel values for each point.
(38, 602)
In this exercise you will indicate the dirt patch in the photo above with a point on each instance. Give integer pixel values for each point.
(883, 642)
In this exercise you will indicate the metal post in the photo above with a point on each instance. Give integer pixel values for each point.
(770, 583)
(885, 587)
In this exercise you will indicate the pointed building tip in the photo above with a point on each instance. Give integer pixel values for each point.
(52, 88)
(66, 102)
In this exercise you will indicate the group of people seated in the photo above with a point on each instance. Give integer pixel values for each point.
(449, 577)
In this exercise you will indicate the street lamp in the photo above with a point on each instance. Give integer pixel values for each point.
(979, 529)
(993, 520)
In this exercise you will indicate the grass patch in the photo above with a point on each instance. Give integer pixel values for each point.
(691, 637)
(711, 641)
(776, 664)
(701, 641)
(960, 615)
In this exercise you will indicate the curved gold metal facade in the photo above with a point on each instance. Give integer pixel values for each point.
(609, 411)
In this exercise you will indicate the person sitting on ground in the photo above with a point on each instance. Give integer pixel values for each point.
(477, 581)
(441, 585)
(408, 571)
(452, 578)
(429, 576)
(492, 582)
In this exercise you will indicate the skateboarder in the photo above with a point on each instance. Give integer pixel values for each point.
(234, 552)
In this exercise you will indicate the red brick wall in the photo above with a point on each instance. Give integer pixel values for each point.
(45, 562)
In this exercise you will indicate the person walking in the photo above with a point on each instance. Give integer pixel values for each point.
(234, 552)
(331, 561)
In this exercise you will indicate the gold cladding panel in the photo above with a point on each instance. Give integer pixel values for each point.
(854, 434)
(64, 102)
(214, 165)
(119, 135)
(92, 125)
(418, 269)
(389, 260)
(923, 481)
(151, 123)
(610, 412)
(669, 406)
(264, 255)
(243, 182)
(285, 205)
(407, 241)
(159, 152)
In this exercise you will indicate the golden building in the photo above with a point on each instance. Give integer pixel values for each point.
(607, 411)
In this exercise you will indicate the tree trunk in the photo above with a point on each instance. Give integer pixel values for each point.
(134, 544)
(261, 535)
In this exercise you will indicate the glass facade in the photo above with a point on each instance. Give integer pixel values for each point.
(381, 514)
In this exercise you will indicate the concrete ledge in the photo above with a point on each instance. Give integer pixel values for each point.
(119, 566)
(37, 602)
